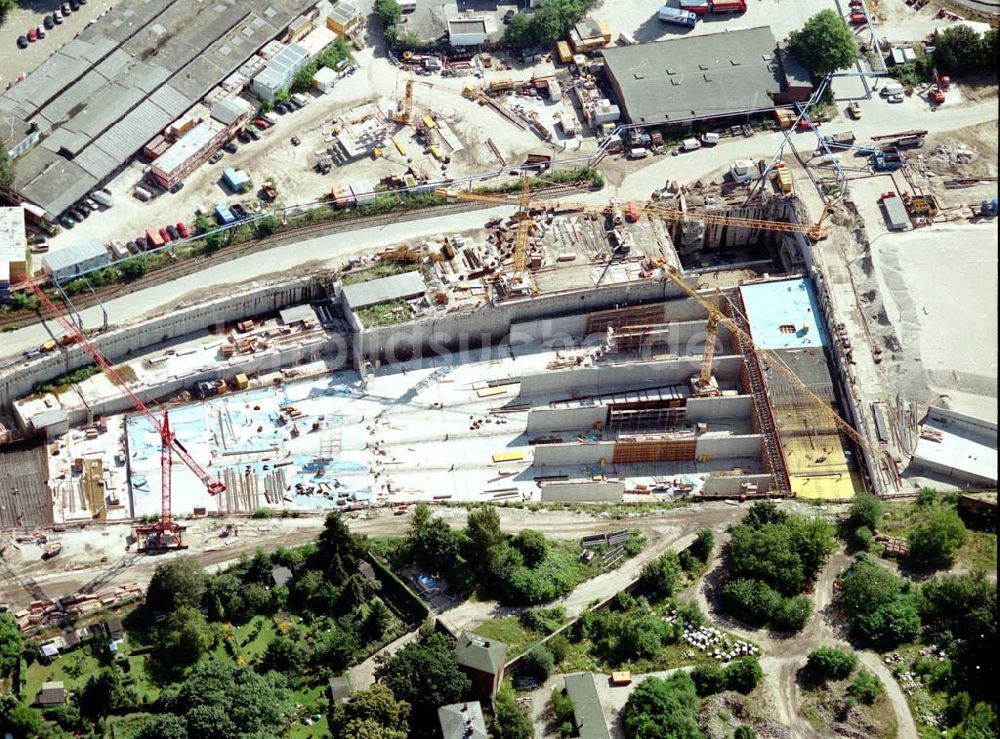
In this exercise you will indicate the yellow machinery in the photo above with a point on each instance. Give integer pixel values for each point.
(705, 384)
(404, 108)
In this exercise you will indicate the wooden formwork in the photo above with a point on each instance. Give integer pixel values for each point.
(629, 451)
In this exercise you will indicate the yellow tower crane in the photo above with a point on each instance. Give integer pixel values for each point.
(705, 385)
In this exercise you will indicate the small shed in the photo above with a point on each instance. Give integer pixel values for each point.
(324, 79)
(236, 179)
(281, 576)
(339, 689)
(894, 212)
(48, 651)
(51, 694)
(367, 571)
(115, 628)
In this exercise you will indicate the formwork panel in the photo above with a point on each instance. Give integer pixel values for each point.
(659, 450)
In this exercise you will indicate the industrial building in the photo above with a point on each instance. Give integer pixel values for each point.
(87, 109)
(279, 72)
(343, 19)
(13, 250)
(73, 261)
(709, 77)
(467, 31)
(173, 165)
(958, 446)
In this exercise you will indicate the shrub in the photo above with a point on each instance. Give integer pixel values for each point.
(559, 646)
(742, 675)
(866, 687)
(562, 706)
(709, 679)
(829, 663)
(934, 542)
(538, 662)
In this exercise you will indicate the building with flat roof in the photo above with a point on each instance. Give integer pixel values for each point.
(383, 290)
(343, 18)
(462, 721)
(588, 35)
(13, 249)
(72, 261)
(119, 82)
(280, 71)
(187, 153)
(707, 77)
(467, 31)
(958, 446)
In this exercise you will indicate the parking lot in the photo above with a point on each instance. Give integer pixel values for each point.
(30, 14)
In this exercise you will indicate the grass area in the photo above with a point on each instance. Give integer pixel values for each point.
(248, 641)
(309, 702)
(513, 633)
(822, 707)
(384, 314)
(979, 552)
(377, 271)
(69, 378)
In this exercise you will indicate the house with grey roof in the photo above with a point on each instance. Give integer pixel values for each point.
(483, 660)
(462, 721)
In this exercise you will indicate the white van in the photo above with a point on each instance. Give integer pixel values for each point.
(103, 198)
(300, 99)
(710, 139)
(690, 144)
(893, 88)
(271, 118)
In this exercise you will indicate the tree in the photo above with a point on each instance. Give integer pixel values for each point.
(388, 12)
(267, 226)
(880, 606)
(764, 512)
(285, 653)
(185, 638)
(532, 545)
(374, 713)
(519, 30)
(708, 679)
(17, 718)
(510, 721)
(825, 44)
(829, 663)
(744, 732)
(866, 510)
(7, 165)
(538, 662)
(981, 723)
(163, 726)
(176, 584)
(102, 694)
(11, 644)
(662, 708)
(703, 545)
(483, 529)
(866, 687)
(743, 674)
(959, 49)
(934, 542)
(132, 269)
(425, 675)
(660, 577)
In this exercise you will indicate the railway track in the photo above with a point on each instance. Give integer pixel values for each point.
(190, 265)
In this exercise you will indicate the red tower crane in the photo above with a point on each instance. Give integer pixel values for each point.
(165, 534)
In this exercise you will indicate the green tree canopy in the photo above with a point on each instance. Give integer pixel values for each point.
(880, 606)
(960, 49)
(935, 541)
(163, 726)
(829, 663)
(11, 644)
(388, 12)
(825, 44)
(866, 510)
(663, 708)
(176, 584)
(374, 714)
(659, 578)
(511, 721)
(425, 675)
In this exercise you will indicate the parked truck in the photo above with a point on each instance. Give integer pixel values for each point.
(153, 239)
(699, 7)
(677, 17)
(843, 140)
(729, 6)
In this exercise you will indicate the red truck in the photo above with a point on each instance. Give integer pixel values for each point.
(698, 7)
(729, 6)
(153, 239)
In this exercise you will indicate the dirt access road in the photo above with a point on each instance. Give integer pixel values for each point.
(783, 656)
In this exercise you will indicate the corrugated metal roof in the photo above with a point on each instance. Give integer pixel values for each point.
(228, 111)
(71, 256)
(132, 132)
(188, 145)
(385, 289)
(96, 162)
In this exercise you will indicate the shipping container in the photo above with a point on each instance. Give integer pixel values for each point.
(677, 17)
(118, 249)
(399, 146)
(223, 215)
(565, 55)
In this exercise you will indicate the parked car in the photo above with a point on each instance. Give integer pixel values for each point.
(37, 239)
(66, 222)
(244, 136)
(79, 213)
(32, 35)
(239, 211)
(261, 124)
(177, 186)
(74, 4)
(292, 105)
(92, 204)
(254, 133)
(165, 235)
(182, 229)
(48, 22)
(215, 158)
(66, 8)
(22, 42)
(897, 98)
(174, 233)
(296, 141)
(230, 146)
(40, 31)
(58, 17)
(282, 108)
(132, 247)
(141, 244)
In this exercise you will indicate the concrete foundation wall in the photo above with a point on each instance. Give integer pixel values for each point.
(622, 377)
(486, 325)
(565, 331)
(118, 344)
(688, 337)
(730, 486)
(565, 419)
(713, 409)
(729, 446)
(561, 455)
(583, 492)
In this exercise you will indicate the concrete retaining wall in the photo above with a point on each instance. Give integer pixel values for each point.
(728, 446)
(583, 492)
(491, 325)
(563, 455)
(725, 487)
(623, 377)
(713, 409)
(582, 419)
(118, 344)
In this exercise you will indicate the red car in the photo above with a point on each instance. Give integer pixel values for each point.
(858, 18)
(182, 229)
(261, 123)
(805, 125)
(32, 35)
(165, 235)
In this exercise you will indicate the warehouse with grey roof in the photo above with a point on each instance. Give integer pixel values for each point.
(713, 76)
(98, 99)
